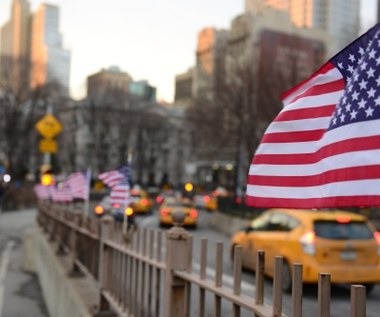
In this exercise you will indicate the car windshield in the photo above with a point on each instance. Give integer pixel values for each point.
(356, 230)
(180, 204)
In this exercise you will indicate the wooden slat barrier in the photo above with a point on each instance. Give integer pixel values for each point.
(134, 274)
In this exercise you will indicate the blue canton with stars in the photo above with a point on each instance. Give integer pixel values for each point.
(359, 64)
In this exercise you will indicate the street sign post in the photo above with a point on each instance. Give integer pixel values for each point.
(49, 126)
(48, 146)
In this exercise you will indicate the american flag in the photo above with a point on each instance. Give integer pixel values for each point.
(79, 184)
(61, 192)
(120, 194)
(42, 192)
(323, 149)
(115, 177)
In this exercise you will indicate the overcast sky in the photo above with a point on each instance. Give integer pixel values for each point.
(149, 39)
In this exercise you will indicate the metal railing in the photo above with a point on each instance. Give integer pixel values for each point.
(147, 273)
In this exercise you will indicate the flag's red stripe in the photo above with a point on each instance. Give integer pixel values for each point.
(345, 146)
(331, 176)
(309, 113)
(290, 137)
(323, 70)
(318, 90)
(336, 201)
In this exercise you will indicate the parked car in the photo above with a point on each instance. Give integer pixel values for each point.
(140, 202)
(341, 243)
(186, 206)
(117, 211)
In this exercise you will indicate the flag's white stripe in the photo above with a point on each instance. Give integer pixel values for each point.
(287, 148)
(362, 158)
(328, 77)
(315, 101)
(348, 188)
(353, 130)
(119, 196)
(299, 125)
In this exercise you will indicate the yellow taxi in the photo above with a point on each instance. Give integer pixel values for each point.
(343, 244)
(210, 202)
(170, 205)
(140, 202)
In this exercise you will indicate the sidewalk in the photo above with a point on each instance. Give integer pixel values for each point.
(20, 290)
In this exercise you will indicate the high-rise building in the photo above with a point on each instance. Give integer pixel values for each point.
(15, 44)
(31, 50)
(142, 90)
(340, 18)
(50, 61)
(209, 66)
(184, 88)
(102, 82)
(257, 6)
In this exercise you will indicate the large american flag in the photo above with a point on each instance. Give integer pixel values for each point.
(115, 177)
(323, 149)
(79, 183)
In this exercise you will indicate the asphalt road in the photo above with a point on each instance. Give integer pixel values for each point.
(340, 294)
(20, 292)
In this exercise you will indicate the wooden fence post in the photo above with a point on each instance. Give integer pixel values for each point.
(106, 226)
(75, 270)
(176, 259)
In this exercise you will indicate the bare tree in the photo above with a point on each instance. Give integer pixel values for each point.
(247, 97)
(20, 108)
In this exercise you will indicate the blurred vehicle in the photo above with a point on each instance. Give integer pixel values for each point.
(220, 191)
(186, 206)
(167, 194)
(206, 201)
(140, 202)
(343, 244)
(105, 207)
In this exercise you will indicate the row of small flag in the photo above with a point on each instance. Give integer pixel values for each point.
(77, 186)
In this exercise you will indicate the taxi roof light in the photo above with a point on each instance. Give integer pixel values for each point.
(343, 219)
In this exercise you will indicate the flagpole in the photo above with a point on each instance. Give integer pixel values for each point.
(87, 201)
(125, 216)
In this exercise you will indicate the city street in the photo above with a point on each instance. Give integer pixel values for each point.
(340, 294)
(20, 292)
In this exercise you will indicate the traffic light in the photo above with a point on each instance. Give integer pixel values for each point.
(189, 187)
(188, 190)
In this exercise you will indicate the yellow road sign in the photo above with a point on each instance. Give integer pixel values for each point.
(48, 146)
(49, 126)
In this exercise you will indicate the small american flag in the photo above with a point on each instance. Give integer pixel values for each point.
(115, 177)
(323, 149)
(120, 194)
(61, 192)
(79, 184)
(42, 192)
